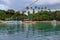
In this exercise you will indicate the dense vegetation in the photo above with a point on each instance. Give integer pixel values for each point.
(40, 15)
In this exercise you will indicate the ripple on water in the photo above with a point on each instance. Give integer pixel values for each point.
(29, 32)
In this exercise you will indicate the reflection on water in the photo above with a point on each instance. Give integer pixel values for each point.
(39, 31)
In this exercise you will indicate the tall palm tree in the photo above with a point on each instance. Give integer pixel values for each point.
(38, 9)
(27, 8)
(41, 9)
(28, 12)
(45, 8)
(33, 10)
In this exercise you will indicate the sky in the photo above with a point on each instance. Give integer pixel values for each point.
(20, 4)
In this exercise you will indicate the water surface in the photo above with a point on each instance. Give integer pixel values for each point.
(39, 31)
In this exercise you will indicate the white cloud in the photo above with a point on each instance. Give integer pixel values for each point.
(3, 7)
(20, 4)
(43, 2)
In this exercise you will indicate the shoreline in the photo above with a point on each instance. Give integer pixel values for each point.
(34, 22)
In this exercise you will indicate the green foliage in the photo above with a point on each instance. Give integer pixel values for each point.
(58, 15)
(39, 16)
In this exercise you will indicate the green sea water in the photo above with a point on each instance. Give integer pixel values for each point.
(39, 31)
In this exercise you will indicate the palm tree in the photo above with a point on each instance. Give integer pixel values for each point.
(33, 11)
(38, 9)
(27, 8)
(45, 8)
(28, 12)
(41, 9)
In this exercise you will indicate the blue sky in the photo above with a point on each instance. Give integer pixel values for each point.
(20, 4)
